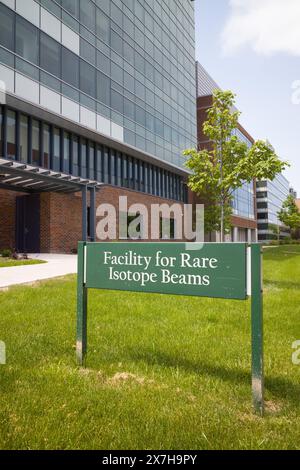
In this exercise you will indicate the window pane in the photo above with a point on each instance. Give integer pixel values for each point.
(75, 171)
(66, 152)
(91, 161)
(83, 158)
(46, 143)
(24, 138)
(103, 88)
(87, 79)
(88, 14)
(27, 40)
(7, 31)
(103, 26)
(70, 67)
(35, 142)
(87, 51)
(11, 134)
(72, 6)
(56, 149)
(50, 55)
(99, 165)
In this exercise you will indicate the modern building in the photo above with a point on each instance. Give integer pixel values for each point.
(98, 101)
(293, 193)
(270, 197)
(244, 219)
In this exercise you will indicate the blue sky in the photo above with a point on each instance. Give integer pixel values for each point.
(253, 48)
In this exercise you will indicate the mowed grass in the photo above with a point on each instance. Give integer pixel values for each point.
(163, 372)
(9, 262)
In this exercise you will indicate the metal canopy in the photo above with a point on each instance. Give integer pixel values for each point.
(17, 176)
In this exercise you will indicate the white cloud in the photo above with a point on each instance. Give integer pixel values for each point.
(267, 26)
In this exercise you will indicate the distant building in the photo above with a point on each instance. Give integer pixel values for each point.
(293, 193)
(270, 197)
(298, 203)
(244, 204)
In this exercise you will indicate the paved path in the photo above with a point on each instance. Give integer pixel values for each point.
(57, 265)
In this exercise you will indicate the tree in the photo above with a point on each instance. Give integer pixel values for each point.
(229, 163)
(289, 215)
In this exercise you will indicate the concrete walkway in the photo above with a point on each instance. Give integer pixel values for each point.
(57, 265)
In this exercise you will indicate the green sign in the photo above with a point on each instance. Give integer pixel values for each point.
(216, 270)
(210, 270)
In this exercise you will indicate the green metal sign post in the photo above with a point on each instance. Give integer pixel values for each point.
(217, 270)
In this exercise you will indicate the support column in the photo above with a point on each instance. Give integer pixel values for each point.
(93, 213)
(235, 234)
(249, 236)
(84, 214)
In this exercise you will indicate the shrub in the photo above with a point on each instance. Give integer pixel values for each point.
(6, 253)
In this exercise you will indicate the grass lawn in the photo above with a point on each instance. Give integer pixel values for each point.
(8, 262)
(163, 372)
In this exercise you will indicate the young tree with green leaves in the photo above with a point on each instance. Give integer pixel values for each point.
(219, 171)
(289, 215)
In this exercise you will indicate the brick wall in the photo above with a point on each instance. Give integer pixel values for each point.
(7, 218)
(60, 222)
(109, 194)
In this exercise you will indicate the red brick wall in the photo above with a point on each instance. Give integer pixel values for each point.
(7, 218)
(60, 222)
(61, 215)
(109, 194)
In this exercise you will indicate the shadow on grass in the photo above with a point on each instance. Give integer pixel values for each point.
(277, 386)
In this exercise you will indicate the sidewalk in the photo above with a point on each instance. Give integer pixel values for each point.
(57, 265)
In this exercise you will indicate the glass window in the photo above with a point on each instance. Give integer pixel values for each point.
(75, 143)
(129, 109)
(91, 161)
(7, 30)
(119, 170)
(27, 40)
(99, 165)
(103, 88)
(87, 51)
(66, 167)
(46, 146)
(70, 67)
(24, 138)
(11, 134)
(102, 26)
(117, 101)
(83, 159)
(106, 166)
(35, 156)
(27, 69)
(103, 63)
(116, 43)
(56, 149)
(87, 79)
(88, 14)
(50, 55)
(72, 6)
(112, 168)
(126, 171)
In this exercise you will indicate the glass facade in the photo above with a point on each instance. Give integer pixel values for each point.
(270, 197)
(243, 202)
(39, 143)
(135, 65)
